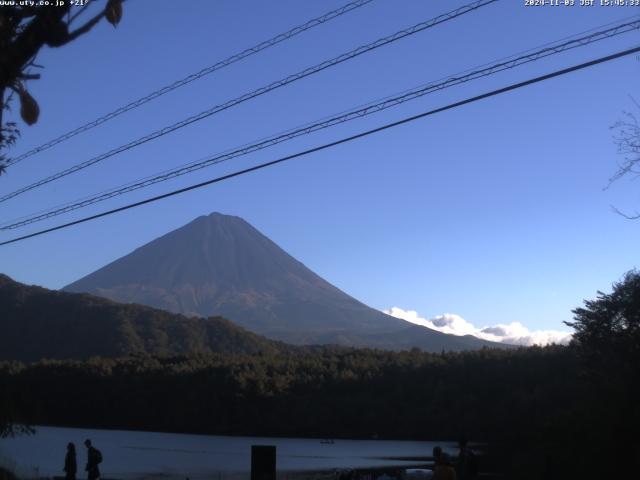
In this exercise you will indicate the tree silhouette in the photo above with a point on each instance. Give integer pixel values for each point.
(607, 341)
(610, 325)
(627, 138)
(24, 30)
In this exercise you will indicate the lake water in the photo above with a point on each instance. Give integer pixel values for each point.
(132, 454)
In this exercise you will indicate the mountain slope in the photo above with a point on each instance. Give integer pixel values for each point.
(221, 265)
(39, 323)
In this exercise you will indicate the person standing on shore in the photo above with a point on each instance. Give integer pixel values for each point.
(442, 468)
(467, 464)
(70, 464)
(94, 458)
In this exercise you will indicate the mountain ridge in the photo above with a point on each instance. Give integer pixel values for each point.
(221, 265)
(39, 323)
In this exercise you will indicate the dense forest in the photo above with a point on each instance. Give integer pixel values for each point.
(327, 393)
(536, 403)
(40, 323)
(570, 412)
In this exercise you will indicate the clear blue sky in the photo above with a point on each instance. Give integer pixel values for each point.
(494, 211)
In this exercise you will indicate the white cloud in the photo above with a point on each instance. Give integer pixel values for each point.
(514, 332)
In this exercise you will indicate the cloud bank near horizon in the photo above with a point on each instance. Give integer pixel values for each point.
(514, 332)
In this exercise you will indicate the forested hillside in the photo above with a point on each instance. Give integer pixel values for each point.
(331, 392)
(553, 412)
(535, 404)
(39, 323)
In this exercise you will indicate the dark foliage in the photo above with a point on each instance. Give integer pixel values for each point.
(26, 28)
(608, 328)
(607, 341)
(6, 474)
(533, 402)
(325, 392)
(553, 412)
(39, 323)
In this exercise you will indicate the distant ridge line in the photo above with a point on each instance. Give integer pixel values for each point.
(222, 265)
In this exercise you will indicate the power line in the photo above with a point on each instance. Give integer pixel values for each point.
(260, 91)
(325, 146)
(194, 76)
(369, 109)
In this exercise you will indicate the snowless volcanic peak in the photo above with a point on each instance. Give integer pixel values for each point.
(221, 265)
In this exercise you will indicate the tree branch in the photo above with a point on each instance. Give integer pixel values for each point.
(80, 11)
(85, 28)
(628, 217)
(29, 42)
(29, 76)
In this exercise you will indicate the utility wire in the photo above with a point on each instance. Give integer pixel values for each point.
(194, 76)
(369, 109)
(325, 146)
(260, 91)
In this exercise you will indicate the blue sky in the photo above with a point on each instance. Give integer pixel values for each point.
(494, 211)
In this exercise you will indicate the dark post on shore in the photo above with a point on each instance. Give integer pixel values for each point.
(263, 462)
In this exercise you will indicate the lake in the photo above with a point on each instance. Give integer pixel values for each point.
(133, 454)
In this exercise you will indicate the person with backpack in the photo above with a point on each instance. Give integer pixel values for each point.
(94, 458)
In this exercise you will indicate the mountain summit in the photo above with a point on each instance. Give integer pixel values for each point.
(221, 265)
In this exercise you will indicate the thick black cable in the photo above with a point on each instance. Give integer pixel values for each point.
(371, 108)
(190, 78)
(260, 91)
(325, 146)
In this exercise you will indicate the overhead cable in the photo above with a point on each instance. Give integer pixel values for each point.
(192, 77)
(325, 146)
(360, 112)
(255, 93)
